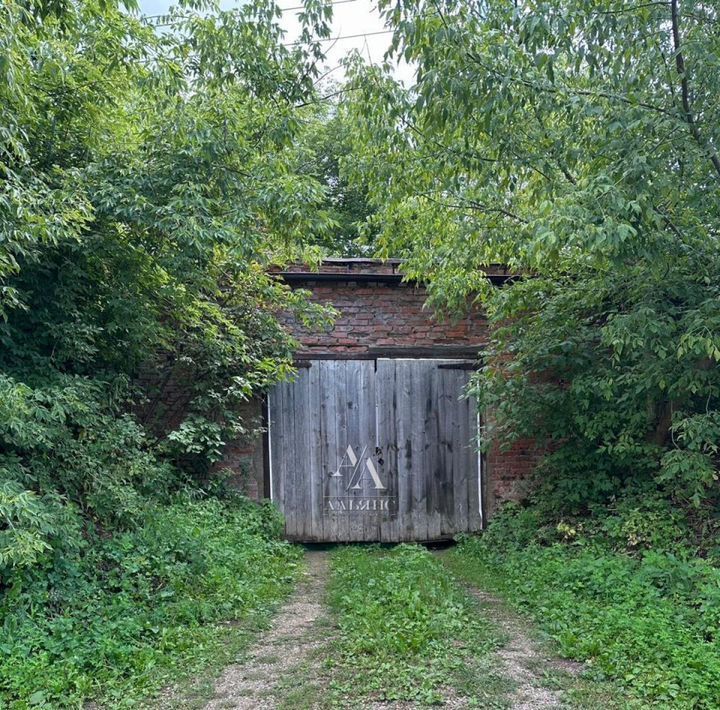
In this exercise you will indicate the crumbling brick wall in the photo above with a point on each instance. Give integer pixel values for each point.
(508, 472)
(384, 315)
(167, 398)
(244, 459)
(378, 313)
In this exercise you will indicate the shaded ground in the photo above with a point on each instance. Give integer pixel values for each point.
(287, 656)
(287, 668)
(523, 661)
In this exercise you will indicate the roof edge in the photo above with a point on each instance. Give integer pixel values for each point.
(368, 270)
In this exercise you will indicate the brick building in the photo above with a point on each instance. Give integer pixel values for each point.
(383, 339)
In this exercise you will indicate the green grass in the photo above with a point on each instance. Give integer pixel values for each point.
(648, 623)
(579, 687)
(406, 631)
(138, 610)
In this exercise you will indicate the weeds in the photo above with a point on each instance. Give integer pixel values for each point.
(648, 620)
(406, 631)
(137, 610)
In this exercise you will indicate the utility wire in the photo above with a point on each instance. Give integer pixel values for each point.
(364, 35)
(302, 7)
(282, 9)
(337, 39)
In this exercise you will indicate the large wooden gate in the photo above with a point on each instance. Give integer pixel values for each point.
(375, 450)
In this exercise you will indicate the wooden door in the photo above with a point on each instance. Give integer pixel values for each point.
(364, 450)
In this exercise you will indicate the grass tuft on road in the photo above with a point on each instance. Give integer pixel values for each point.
(407, 631)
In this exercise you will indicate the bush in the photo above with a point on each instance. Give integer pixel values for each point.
(114, 617)
(649, 620)
(140, 205)
(65, 441)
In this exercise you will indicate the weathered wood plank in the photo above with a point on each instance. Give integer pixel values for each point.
(334, 522)
(425, 468)
(304, 478)
(452, 493)
(354, 439)
(316, 468)
(368, 434)
(290, 465)
(329, 429)
(465, 460)
(474, 477)
(420, 446)
(406, 455)
(387, 438)
(276, 435)
(432, 473)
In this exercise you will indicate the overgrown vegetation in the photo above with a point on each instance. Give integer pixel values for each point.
(148, 177)
(148, 180)
(618, 589)
(576, 142)
(406, 631)
(151, 171)
(329, 142)
(115, 617)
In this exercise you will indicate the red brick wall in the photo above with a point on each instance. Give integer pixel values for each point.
(166, 394)
(375, 315)
(244, 458)
(508, 472)
(381, 315)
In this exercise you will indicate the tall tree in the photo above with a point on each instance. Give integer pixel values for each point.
(328, 144)
(577, 142)
(149, 173)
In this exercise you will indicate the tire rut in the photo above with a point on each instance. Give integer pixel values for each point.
(285, 669)
(520, 658)
(289, 647)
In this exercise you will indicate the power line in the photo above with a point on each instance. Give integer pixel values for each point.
(282, 9)
(302, 7)
(364, 35)
(337, 39)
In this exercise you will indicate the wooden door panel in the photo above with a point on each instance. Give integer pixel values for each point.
(374, 451)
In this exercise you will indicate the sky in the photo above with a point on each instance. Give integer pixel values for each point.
(356, 22)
